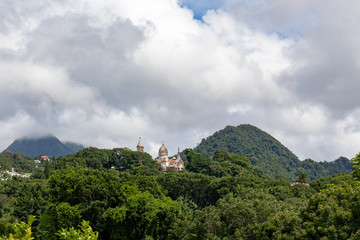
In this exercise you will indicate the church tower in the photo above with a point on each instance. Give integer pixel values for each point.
(140, 146)
(178, 154)
(179, 163)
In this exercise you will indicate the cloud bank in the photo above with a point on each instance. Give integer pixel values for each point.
(105, 73)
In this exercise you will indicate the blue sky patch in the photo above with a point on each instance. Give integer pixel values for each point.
(200, 7)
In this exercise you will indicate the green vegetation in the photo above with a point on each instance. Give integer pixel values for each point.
(17, 161)
(267, 154)
(20, 230)
(302, 178)
(122, 194)
(84, 233)
(122, 159)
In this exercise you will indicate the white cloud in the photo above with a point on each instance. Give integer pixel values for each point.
(304, 119)
(239, 108)
(104, 73)
(20, 124)
(43, 82)
(107, 128)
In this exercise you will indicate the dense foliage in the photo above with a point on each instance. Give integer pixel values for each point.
(122, 159)
(17, 161)
(121, 194)
(267, 153)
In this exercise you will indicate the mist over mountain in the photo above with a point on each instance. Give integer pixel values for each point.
(47, 145)
(267, 153)
(74, 147)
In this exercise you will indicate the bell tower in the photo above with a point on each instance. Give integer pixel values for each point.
(140, 146)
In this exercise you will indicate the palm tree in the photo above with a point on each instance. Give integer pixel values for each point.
(302, 177)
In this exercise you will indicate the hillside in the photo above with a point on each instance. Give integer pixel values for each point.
(317, 170)
(48, 145)
(17, 161)
(267, 153)
(74, 147)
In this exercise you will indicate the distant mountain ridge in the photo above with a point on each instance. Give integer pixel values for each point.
(267, 153)
(316, 170)
(47, 145)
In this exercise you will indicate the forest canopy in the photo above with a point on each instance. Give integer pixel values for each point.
(122, 194)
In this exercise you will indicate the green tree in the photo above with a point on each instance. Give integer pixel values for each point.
(336, 179)
(301, 177)
(122, 159)
(20, 230)
(356, 166)
(334, 213)
(192, 186)
(196, 162)
(47, 170)
(143, 215)
(243, 215)
(85, 232)
(118, 206)
(31, 198)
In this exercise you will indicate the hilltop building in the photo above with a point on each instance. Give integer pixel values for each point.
(175, 163)
(166, 163)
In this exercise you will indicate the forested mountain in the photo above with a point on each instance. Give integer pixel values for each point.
(267, 153)
(47, 145)
(316, 170)
(74, 147)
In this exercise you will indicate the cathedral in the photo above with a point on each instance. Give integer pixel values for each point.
(166, 163)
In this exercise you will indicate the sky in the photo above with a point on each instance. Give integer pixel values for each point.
(104, 73)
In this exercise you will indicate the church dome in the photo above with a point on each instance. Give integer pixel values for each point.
(163, 151)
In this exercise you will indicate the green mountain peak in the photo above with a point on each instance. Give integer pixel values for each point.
(266, 153)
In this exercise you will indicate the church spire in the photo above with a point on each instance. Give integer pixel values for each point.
(178, 154)
(140, 146)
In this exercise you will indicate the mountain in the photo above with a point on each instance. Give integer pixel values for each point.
(267, 153)
(316, 170)
(74, 147)
(48, 145)
(340, 165)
